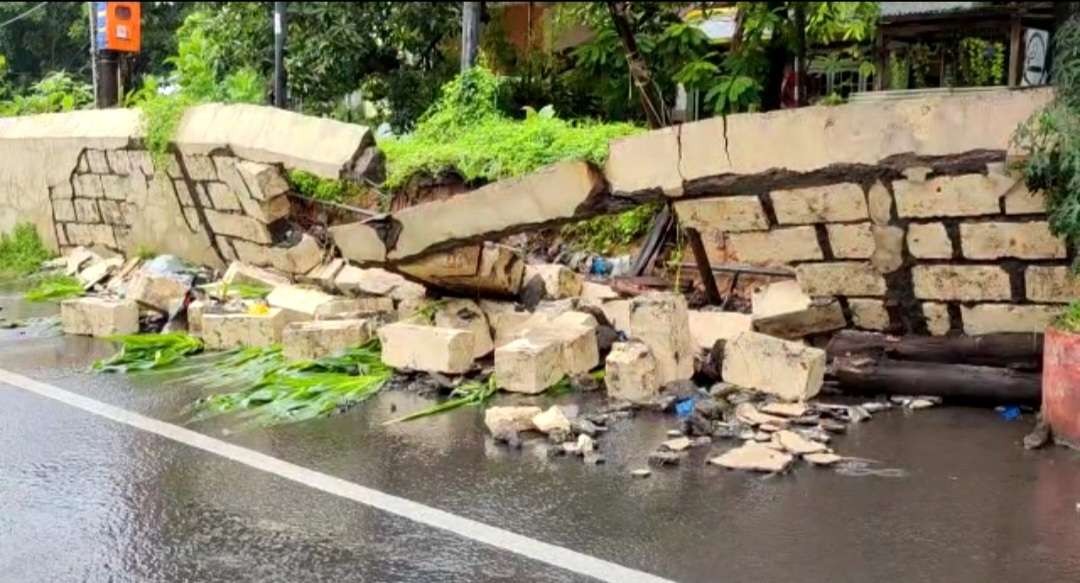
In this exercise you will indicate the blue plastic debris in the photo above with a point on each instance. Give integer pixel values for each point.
(600, 266)
(684, 407)
(1010, 413)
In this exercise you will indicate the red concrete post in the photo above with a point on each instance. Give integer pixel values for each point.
(1061, 385)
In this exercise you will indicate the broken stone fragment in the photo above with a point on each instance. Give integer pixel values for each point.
(797, 444)
(708, 327)
(467, 315)
(596, 294)
(822, 459)
(631, 373)
(248, 274)
(164, 293)
(426, 348)
(308, 303)
(503, 420)
(264, 182)
(228, 331)
(377, 282)
(780, 297)
(660, 320)
(528, 365)
(785, 409)
(195, 311)
(578, 352)
(753, 457)
(98, 270)
(641, 473)
(312, 340)
(553, 419)
(822, 315)
(789, 370)
(677, 444)
(323, 275)
(664, 458)
(487, 268)
(99, 317)
(618, 314)
(79, 257)
(747, 413)
(586, 444)
(558, 281)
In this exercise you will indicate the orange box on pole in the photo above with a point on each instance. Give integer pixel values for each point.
(119, 26)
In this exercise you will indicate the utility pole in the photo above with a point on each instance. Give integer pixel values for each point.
(280, 97)
(93, 47)
(470, 34)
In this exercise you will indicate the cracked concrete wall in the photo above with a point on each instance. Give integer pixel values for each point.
(82, 178)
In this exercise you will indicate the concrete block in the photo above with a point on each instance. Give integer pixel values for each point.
(239, 226)
(596, 294)
(774, 247)
(929, 241)
(312, 340)
(950, 196)
(1051, 283)
(466, 315)
(228, 331)
(97, 162)
(617, 313)
(426, 348)
(855, 241)
(248, 274)
(195, 311)
(1030, 240)
(961, 282)
(551, 419)
(377, 282)
(528, 365)
(506, 420)
(221, 196)
(991, 318)
(869, 314)
(86, 210)
(308, 303)
(729, 214)
(790, 370)
(708, 327)
(888, 248)
(559, 281)
(160, 292)
(820, 204)
(578, 350)
(938, 321)
(358, 242)
(99, 317)
(660, 320)
(781, 297)
(631, 373)
(99, 235)
(648, 162)
(844, 278)
(264, 182)
(822, 315)
(323, 276)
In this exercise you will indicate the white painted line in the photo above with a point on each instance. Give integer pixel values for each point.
(553, 555)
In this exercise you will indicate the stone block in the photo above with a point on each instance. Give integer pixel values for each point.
(617, 313)
(552, 193)
(160, 292)
(458, 262)
(86, 210)
(851, 241)
(266, 211)
(929, 241)
(991, 318)
(466, 315)
(951, 196)
(119, 161)
(264, 182)
(358, 242)
(506, 325)
(708, 327)
(961, 282)
(753, 457)
(239, 226)
(307, 303)
(200, 168)
(649, 162)
(822, 315)
(228, 331)
(221, 197)
(774, 247)
(880, 203)
(487, 268)
(64, 210)
(559, 281)
(112, 212)
(1030, 240)
(323, 276)
(1021, 201)
(869, 314)
(377, 282)
(820, 204)
(781, 297)
(660, 320)
(631, 373)
(1051, 283)
(551, 419)
(938, 321)
(100, 235)
(295, 260)
(528, 365)
(312, 340)
(426, 348)
(578, 351)
(596, 294)
(355, 308)
(790, 370)
(248, 274)
(729, 214)
(115, 187)
(97, 162)
(195, 311)
(63, 191)
(888, 248)
(845, 278)
(507, 420)
(99, 317)
(88, 186)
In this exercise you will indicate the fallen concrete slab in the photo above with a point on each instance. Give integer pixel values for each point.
(99, 317)
(789, 370)
(312, 340)
(426, 348)
(631, 373)
(228, 331)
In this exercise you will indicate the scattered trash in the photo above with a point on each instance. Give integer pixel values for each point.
(684, 407)
(1010, 413)
(641, 473)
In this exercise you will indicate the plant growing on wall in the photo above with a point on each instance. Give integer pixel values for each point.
(1051, 138)
(981, 62)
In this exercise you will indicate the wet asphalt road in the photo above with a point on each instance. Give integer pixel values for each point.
(83, 498)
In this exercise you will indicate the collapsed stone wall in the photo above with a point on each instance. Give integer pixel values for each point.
(84, 178)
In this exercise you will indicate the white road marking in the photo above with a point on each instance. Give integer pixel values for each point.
(550, 554)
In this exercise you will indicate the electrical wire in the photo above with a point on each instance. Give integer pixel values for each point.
(23, 15)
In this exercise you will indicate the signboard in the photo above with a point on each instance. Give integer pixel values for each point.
(118, 26)
(1036, 42)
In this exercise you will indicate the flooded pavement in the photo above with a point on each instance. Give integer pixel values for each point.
(83, 498)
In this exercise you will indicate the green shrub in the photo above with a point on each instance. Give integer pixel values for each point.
(464, 131)
(57, 91)
(319, 188)
(22, 252)
(1070, 319)
(610, 234)
(55, 288)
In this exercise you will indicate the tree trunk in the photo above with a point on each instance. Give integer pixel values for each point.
(776, 56)
(470, 34)
(1011, 350)
(652, 102)
(954, 381)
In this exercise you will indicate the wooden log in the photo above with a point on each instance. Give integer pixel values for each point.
(1021, 351)
(952, 381)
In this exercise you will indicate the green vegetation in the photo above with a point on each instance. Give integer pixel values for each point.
(56, 92)
(1070, 319)
(244, 291)
(470, 393)
(287, 392)
(145, 253)
(464, 131)
(140, 352)
(54, 288)
(608, 235)
(320, 188)
(1051, 137)
(22, 252)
